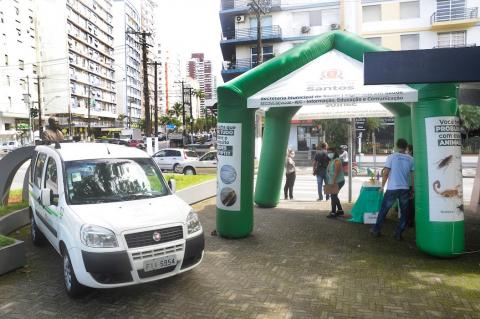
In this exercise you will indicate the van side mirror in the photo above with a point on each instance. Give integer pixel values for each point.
(48, 198)
(172, 183)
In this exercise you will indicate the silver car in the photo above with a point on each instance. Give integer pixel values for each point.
(207, 164)
(171, 158)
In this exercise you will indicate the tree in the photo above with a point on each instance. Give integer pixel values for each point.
(469, 118)
(178, 109)
(335, 131)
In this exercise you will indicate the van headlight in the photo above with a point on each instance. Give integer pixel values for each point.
(97, 237)
(193, 224)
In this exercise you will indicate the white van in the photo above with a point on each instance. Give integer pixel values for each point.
(107, 210)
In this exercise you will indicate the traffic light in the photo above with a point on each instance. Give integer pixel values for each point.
(33, 112)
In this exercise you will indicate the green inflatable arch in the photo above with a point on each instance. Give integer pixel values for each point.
(431, 125)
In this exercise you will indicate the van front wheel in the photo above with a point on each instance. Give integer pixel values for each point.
(72, 286)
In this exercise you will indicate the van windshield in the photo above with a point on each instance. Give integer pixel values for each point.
(113, 180)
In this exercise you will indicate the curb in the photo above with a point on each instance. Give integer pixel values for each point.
(14, 255)
(199, 192)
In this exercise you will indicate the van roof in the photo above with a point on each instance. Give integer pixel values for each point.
(82, 151)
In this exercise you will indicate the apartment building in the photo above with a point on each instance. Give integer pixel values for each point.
(127, 53)
(18, 69)
(173, 72)
(75, 49)
(200, 69)
(394, 24)
(147, 22)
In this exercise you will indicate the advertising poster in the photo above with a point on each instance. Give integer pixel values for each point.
(229, 139)
(444, 168)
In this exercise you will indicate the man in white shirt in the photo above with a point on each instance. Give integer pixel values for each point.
(398, 170)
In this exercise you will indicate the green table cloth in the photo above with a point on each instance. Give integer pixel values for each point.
(369, 201)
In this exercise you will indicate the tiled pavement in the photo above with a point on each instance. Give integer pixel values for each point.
(297, 264)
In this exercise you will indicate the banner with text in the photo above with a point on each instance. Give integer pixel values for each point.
(229, 139)
(444, 159)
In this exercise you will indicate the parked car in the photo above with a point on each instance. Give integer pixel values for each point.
(171, 158)
(9, 146)
(107, 210)
(207, 164)
(136, 143)
(112, 141)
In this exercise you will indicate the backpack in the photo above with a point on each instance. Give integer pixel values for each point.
(322, 162)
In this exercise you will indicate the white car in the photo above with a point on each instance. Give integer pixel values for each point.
(107, 210)
(171, 158)
(207, 164)
(9, 146)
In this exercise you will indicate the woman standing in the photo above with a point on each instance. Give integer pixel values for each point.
(290, 174)
(335, 176)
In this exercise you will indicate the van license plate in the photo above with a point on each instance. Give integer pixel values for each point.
(159, 263)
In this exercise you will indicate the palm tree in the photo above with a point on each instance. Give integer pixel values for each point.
(201, 96)
(178, 109)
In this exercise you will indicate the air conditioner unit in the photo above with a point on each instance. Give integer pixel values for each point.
(334, 26)
(240, 19)
(305, 29)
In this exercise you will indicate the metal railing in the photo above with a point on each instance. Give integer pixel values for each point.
(244, 64)
(454, 45)
(231, 4)
(454, 15)
(268, 32)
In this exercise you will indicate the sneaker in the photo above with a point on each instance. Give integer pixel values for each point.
(331, 215)
(319, 199)
(291, 198)
(374, 233)
(340, 213)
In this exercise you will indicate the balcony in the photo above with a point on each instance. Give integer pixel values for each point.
(232, 69)
(454, 18)
(235, 4)
(453, 45)
(269, 33)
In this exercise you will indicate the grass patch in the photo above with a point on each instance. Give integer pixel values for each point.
(5, 241)
(15, 196)
(185, 181)
(12, 207)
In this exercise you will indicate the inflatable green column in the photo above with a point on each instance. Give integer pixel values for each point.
(272, 157)
(235, 144)
(438, 177)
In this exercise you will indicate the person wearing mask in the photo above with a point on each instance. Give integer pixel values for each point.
(320, 164)
(336, 177)
(344, 158)
(398, 171)
(290, 174)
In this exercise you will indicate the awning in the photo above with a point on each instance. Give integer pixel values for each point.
(331, 86)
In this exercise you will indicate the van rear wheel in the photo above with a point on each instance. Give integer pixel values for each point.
(36, 234)
(72, 286)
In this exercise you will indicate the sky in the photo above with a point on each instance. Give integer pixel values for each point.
(190, 26)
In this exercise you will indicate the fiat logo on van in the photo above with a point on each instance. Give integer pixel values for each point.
(157, 236)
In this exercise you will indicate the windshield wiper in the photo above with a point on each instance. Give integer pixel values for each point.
(137, 196)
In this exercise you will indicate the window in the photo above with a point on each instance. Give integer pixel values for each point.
(267, 54)
(39, 169)
(372, 13)
(450, 10)
(410, 41)
(452, 39)
(17, 11)
(6, 60)
(375, 40)
(8, 126)
(315, 18)
(21, 64)
(51, 176)
(409, 10)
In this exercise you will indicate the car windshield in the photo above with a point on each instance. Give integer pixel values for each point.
(113, 180)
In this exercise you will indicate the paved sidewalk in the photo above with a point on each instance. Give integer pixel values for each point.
(296, 264)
